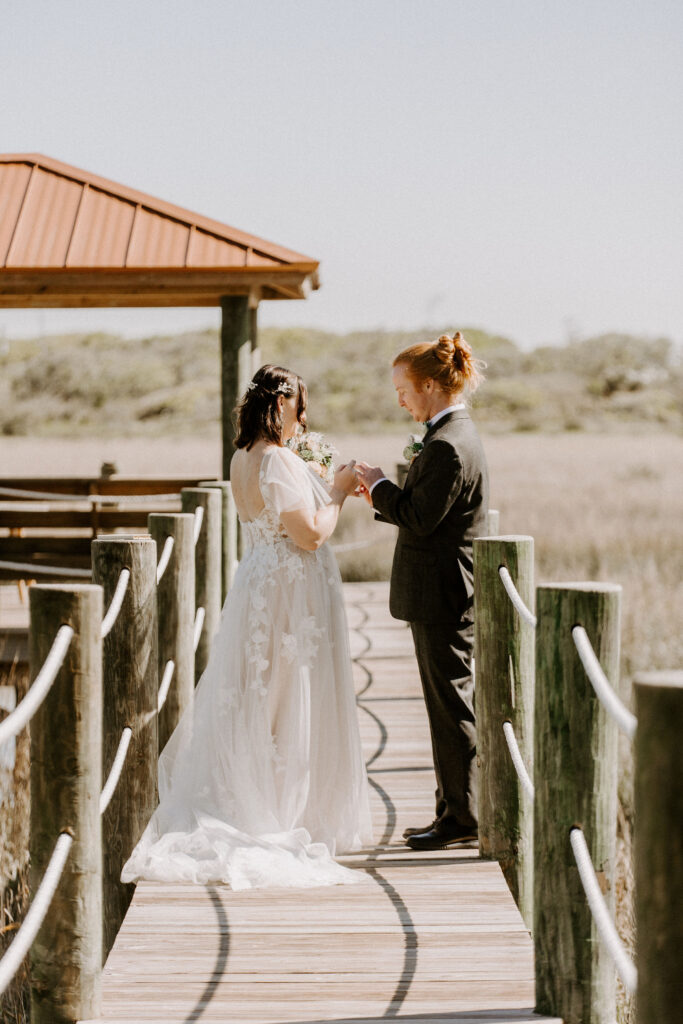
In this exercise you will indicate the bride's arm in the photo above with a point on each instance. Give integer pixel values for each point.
(309, 529)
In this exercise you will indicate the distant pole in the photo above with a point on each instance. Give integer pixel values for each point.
(66, 779)
(659, 845)
(492, 522)
(228, 532)
(504, 654)
(175, 613)
(575, 768)
(207, 561)
(238, 338)
(131, 685)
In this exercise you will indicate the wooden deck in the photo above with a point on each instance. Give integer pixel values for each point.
(424, 937)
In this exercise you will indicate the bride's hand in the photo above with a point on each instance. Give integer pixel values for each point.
(345, 478)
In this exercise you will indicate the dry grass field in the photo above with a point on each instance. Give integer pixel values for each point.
(599, 506)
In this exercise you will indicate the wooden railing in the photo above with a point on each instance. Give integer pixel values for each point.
(50, 521)
(548, 714)
(99, 653)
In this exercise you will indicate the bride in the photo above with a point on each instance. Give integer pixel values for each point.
(263, 782)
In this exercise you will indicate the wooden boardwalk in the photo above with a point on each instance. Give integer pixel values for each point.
(424, 937)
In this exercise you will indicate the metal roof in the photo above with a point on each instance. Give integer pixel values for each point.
(71, 238)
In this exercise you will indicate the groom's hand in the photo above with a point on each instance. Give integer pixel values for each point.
(368, 475)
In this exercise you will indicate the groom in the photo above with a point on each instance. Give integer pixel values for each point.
(439, 511)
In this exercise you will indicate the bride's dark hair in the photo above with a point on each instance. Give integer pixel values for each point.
(258, 415)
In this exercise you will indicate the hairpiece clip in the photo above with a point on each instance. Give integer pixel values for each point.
(251, 386)
(282, 388)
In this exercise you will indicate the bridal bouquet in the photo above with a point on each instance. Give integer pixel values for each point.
(316, 451)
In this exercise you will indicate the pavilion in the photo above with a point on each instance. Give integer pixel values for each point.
(69, 238)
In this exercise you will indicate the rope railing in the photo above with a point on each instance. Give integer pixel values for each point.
(524, 613)
(40, 688)
(116, 602)
(198, 520)
(626, 721)
(117, 767)
(23, 940)
(601, 915)
(165, 558)
(47, 570)
(198, 627)
(165, 684)
(92, 499)
(515, 754)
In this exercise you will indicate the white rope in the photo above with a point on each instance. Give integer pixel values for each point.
(92, 499)
(198, 627)
(165, 558)
(39, 690)
(165, 684)
(626, 721)
(512, 592)
(517, 761)
(116, 769)
(23, 940)
(601, 915)
(353, 545)
(198, 520)
(116, 602)
(49, 570)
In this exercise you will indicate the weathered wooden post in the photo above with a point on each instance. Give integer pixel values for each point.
(207, 566)
(504, 653)
(228, 533)
(175, 613)
(66, 778)
(130, 688)
(575, 771)
(659, 845)
(238, 338)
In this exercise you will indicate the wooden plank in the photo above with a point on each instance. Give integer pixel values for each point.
(422, 936)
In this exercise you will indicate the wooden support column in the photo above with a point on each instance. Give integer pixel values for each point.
(175, 612)
(66, 779)
(131, 685)
(575, 774)
(659, 845)
(504, 656)
(207, 566)
(238, 339)
(228, 532)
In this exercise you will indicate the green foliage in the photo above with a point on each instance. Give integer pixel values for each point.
(100, 383)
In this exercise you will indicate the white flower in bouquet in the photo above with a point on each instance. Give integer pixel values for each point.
(316, 451)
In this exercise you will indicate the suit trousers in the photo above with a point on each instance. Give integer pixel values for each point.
(444, 657)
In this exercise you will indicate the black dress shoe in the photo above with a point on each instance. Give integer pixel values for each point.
(441, 839)
(418, 831)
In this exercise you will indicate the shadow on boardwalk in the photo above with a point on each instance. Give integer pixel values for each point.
(431, 937)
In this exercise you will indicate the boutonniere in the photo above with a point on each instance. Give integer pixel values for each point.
(412, 450)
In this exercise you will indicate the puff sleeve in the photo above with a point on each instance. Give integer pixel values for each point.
(287, 484)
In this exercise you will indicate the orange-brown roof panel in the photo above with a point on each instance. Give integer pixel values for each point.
(55, 215)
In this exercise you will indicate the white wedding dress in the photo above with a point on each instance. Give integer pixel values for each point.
(263, 780)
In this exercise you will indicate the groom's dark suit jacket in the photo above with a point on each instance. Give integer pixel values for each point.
(439, 511)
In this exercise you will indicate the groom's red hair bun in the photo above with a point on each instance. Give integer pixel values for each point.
(449, 361)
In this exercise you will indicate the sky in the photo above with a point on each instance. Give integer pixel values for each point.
(514, 165)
